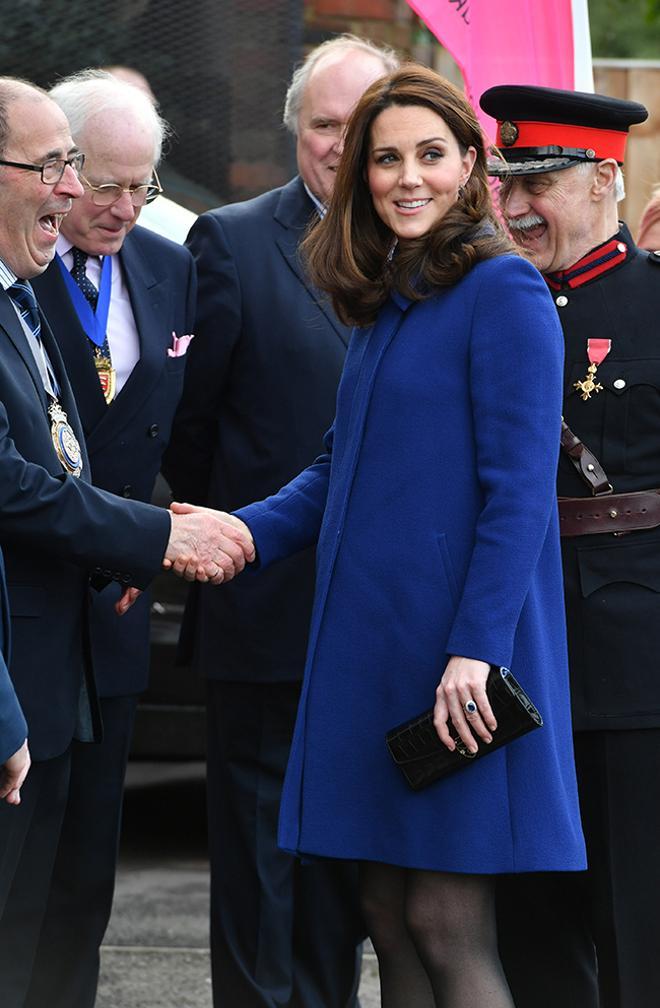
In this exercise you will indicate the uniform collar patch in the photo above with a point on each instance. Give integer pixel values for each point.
(600, 260)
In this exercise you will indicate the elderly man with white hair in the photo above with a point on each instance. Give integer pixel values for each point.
(121, 302)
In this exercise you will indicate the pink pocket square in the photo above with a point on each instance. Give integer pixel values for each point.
(179, 345)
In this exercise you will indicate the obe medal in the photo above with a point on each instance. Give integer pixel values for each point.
(597, 351)
(65, 441)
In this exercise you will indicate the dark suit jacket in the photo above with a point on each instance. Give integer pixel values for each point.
(258, 396)
(125, 441)
(13, 728)
(54, 529)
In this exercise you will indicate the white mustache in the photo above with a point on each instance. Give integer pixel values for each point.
(524, 223)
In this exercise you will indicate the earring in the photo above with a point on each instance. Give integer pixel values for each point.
(461, 192)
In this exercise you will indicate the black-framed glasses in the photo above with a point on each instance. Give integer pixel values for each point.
(52, 170)
(110, 192)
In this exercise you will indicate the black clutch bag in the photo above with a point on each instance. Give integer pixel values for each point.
(422, 757)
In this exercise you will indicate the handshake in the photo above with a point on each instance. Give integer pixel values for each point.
(204, 545)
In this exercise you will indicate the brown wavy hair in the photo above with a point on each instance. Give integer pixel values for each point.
(346, 253)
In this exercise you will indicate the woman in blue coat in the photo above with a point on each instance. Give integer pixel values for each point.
(438, 549)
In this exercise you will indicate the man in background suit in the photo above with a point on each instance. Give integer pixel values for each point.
(259, 395)
(151, 298)
(55, 528)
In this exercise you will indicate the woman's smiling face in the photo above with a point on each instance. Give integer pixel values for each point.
(414, 170)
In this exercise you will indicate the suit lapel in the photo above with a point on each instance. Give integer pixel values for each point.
(14, 330)
(148, 296)
(149, 300)
(293, 213)
(10, 323)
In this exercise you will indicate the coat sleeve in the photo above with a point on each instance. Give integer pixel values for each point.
(516, 367)
(13, 729)
(188, 458)
(74, 521)
(290, 520)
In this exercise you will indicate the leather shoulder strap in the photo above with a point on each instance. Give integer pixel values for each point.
(585, 462)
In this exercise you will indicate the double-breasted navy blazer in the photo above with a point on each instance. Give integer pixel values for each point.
(125, 440)
(437, 530)
(55, 530)
(13, 728)
(259, 394)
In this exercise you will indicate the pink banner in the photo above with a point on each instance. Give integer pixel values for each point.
(512, 42)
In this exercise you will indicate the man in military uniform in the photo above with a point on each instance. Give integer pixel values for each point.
(560, 161)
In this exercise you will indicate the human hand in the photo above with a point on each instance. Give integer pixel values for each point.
(464, 683)
(207, 545)
(12, 774)
(128, 597)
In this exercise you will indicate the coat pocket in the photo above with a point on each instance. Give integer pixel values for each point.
(620, 628)
(447, 567)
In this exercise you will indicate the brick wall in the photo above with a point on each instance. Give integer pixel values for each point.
(387, 21)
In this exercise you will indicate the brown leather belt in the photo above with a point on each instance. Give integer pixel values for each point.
(618, 513)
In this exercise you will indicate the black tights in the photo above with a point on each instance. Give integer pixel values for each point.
(435, 938)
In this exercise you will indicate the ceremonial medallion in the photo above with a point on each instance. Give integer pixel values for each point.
(65, 441)
(107, 375)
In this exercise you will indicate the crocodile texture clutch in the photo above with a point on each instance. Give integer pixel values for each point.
(422, 758)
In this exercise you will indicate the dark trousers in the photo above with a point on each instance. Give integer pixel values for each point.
(283, 934)
(548, 925)
(66, 966)
(29, 836)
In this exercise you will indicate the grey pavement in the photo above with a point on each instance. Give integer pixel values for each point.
(155, 953)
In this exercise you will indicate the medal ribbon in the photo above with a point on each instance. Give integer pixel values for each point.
(94, 324)
(597, 350)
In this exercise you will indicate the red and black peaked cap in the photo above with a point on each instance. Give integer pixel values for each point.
(543, 129)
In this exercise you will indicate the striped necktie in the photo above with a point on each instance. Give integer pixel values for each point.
(22, 294)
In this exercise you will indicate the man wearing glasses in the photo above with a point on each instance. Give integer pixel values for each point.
(120, 301)
(55, 530)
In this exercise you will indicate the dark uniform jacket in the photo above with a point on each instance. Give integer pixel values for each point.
(612, 583)
(259, 394)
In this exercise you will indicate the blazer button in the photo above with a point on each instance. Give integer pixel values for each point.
(153, 430)
(127, 490)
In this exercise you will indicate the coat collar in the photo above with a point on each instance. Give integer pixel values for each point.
(604, 258)
(293, 213)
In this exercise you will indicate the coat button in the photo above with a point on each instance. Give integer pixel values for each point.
(619, 383)
(561, 301)
(621, 247)
(127, 490)
(153, 430)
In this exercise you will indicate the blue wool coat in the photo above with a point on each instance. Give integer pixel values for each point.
(434, 509)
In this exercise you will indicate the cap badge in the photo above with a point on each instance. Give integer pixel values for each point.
(508, 133)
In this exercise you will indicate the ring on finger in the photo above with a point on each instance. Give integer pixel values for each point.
(470, 707)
